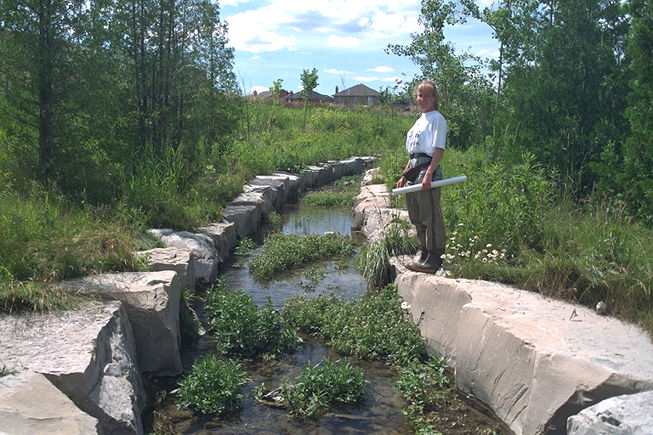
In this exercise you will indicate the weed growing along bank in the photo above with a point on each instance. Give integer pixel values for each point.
(514, 223)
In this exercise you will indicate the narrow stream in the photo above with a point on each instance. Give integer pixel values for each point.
(380, 409)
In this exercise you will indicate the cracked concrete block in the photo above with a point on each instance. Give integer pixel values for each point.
(152, 302)
(88, 354)
(30, 404)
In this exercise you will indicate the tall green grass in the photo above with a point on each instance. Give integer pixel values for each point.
(512, 222)
(43, 239)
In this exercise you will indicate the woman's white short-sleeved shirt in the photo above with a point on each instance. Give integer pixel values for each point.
(428, 133)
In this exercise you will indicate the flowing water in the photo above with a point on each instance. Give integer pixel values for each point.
(380, 409)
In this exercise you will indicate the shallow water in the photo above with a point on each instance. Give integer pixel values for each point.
(380, 409)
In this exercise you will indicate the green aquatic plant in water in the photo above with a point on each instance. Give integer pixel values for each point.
(318, 388)
(239, 327)
(213, 386)
(284, 251)
(244, 247)
(374, 327)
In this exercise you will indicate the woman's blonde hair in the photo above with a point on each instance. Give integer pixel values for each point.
(434, 88)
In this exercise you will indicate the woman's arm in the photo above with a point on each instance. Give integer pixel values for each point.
(435, 161)
(402, 180)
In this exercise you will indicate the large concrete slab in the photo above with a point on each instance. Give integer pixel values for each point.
(88, 354)
(152, 302)
(30, 404)
(534, 361)
(622, 415)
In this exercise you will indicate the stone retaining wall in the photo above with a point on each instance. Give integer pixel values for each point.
(536, 362)
(96, 355)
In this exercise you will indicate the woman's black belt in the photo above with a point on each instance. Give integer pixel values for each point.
(418, 155)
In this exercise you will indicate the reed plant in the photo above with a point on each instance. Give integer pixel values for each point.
(374, 261)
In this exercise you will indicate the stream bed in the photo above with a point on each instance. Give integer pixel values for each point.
(378, 412)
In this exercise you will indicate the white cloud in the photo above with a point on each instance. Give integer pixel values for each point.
(343, 41)
(365, 79)
(259, 89)
(232, 2)
(337, 71)
(393, 79)
(283, 24)
(383, 69)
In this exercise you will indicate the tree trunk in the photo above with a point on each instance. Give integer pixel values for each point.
(45, 81)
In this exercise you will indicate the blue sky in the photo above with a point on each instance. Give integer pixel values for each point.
(343, 39)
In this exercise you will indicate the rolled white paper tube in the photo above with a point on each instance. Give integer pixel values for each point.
(439, 183)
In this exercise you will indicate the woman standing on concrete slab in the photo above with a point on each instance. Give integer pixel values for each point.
(425, 143)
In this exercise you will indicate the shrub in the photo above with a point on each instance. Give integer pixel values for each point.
(213, 386)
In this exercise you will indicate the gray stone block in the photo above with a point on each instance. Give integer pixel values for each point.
(180, 260)
(223, 235)
(30, 404)
(88, 354)
(246, 218)
(205, 257)
(152, 302)
(630, 414)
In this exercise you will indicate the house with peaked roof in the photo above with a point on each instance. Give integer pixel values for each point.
(359, 95)
(315, 99)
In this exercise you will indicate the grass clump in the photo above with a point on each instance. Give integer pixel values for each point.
(341, 194)
(284, 251)
(213, 386)
(239, 327)
(17, 296)
(374, 262)
(322, 386)
(244, 247)
(44, 240)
